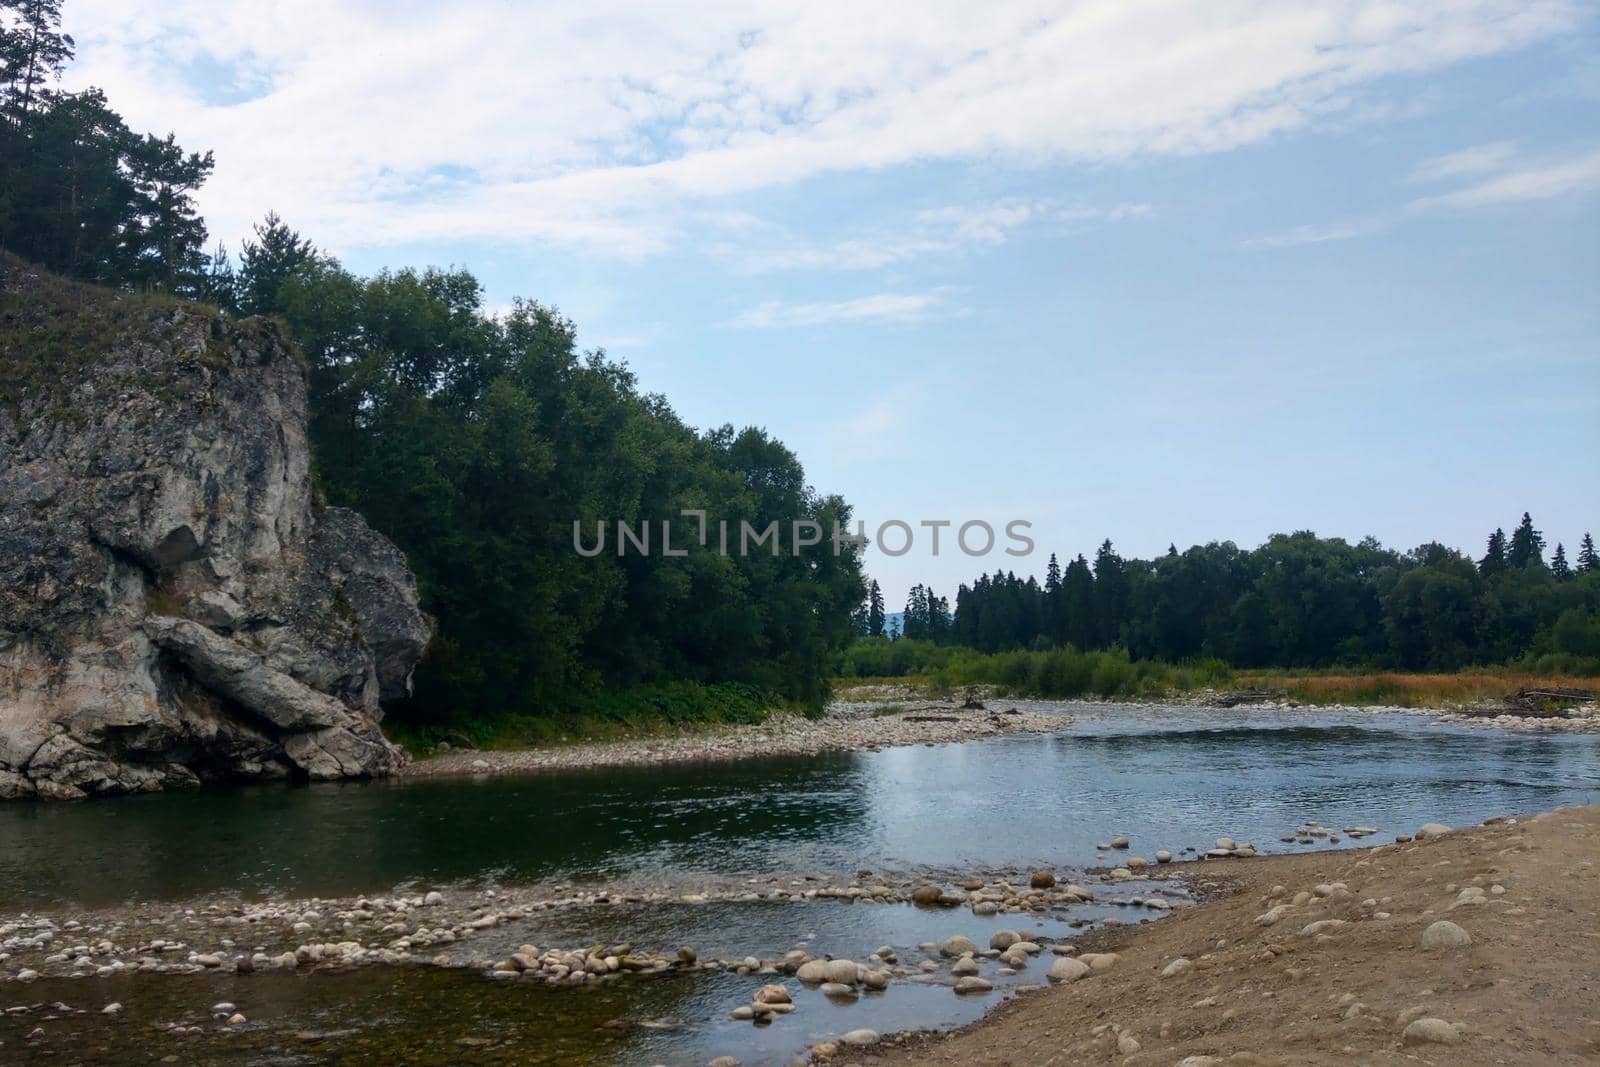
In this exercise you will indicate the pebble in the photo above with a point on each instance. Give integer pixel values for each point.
(861, 1038)
(1445, 934)
(957, 946)
(1430, 830)
(973, 985)
(111, 1009)
(1067, 969)
(1176, 967)
(1003, 939)
(1430, 1031)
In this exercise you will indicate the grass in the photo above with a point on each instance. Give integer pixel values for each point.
(674, 709)
(52, 331)
(1088, 675)
(1407, 690)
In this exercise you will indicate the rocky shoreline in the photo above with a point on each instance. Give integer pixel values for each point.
(1458, 947)
(848, 725)
(878, 717)
(477, 930)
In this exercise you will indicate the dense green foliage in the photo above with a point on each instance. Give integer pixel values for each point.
(474, 442)
(79, 191)
(1298, 600)
(1056, 673)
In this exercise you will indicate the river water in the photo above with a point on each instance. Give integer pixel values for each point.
(1169, 778)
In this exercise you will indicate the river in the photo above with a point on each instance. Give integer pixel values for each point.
(1168, 778)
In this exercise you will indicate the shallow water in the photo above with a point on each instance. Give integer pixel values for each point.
(1168, 778)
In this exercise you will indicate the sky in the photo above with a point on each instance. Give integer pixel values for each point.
(1159, 272)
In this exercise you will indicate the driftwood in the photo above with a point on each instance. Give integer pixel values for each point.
(1544, 702)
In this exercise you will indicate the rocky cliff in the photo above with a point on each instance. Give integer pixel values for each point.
(174, 606)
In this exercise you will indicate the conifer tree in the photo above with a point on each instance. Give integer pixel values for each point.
(875, 610)
(1527, 545)
(1494, 556)
(1558, 564)
(1587, 560)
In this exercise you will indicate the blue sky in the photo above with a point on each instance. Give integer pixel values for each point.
(1148, 271)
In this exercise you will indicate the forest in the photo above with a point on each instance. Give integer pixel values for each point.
(473, 441)
(1297, 601)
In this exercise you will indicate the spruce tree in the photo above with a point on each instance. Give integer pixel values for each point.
(1587, 560)
(875, 610)
(1494, 556)
(1527, 545)
(1558, 564)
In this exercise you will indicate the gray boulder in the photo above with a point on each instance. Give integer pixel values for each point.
(175, 606)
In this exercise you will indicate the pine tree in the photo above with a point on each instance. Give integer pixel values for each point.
(1558, 564)
(1587, 560)
(166, 242)
(1494, 556)
(275, 255)
(1527, 545)
(34, 51)
(875, 611)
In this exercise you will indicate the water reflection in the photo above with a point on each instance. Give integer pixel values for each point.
(1170, 779)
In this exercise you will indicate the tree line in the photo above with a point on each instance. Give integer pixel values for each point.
(473, 441)
(1297, 601)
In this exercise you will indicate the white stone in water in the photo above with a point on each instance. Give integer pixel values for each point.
(1163, 856)
(861, 1038)
(957, 946)
(844, 972)
(973, 985)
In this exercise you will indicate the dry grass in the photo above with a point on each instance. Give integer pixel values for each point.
(1480, 686)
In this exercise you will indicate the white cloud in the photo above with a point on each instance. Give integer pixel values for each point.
(1307, 235)
(759, 247)
(1475, 160)
(607, 124)
(1541, 182)
(878, 307)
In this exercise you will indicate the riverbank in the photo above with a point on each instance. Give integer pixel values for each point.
(1335, 957)
(893, 713)
(885, 717)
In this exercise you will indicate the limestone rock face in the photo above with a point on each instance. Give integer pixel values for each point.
(174, 605)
